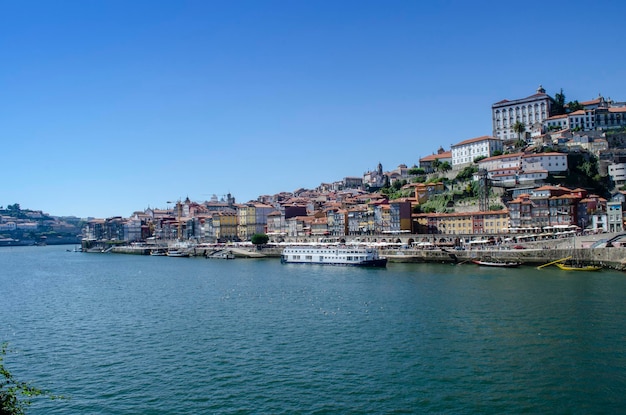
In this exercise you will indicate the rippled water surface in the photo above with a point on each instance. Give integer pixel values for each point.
(122, 334)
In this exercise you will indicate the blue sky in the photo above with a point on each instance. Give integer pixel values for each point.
(108, 107)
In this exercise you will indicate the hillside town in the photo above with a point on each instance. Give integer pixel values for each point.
(548, 168)
(34, 227)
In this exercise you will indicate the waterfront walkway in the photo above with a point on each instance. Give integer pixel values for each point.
(587, 249)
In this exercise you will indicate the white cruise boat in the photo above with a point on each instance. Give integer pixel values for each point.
(333, 255)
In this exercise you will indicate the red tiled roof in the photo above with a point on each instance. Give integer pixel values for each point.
(592, 102)
(477, 140)
(556, 117)
(433, 157)
(579, 112)
(542, 154)
(503, 156)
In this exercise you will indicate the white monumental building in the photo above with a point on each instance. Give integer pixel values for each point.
(532, 111)
(466, 151)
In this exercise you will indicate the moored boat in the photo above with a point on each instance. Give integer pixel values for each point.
(497, 264)
(177, 253)
(573, 267)
(333, 255)
(222, 254)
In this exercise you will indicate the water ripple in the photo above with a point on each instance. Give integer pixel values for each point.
(143, 335)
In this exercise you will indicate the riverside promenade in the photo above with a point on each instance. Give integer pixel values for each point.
(534, 253)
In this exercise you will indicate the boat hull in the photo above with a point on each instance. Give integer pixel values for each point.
(497, 264)
(374, 263)
(565, 267)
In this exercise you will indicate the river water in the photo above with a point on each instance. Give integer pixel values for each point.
(125, 334)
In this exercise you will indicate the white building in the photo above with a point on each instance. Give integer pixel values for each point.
(583, 120)
(532, 111)
(550, 162)
(519, 168)
(504, 161)
(609, 118)
(617, 172)
(557, 123)
(466, 151)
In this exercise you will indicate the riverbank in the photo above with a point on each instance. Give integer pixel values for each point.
(612, 257)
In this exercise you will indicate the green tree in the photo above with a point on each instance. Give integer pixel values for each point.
(520, 128)
(414, 171)
(520, 143)
(558, 106)
(466, 174)
(15, 395)
(436, 164)
(574, 106)
(445, 166)
(259, 239)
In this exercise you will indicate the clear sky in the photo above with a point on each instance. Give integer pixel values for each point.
(108, 107)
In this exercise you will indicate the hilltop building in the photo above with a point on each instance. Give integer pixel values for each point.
(427, 163)
(598, 114)
(465, 152)
(532, 111)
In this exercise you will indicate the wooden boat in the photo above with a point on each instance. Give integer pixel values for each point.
(570, 267)
(497, 264)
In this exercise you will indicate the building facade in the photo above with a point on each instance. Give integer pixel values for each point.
(465, 152)
(532, 111)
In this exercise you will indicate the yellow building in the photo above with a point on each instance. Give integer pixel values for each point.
(465, 223)
(246, 215)
(225, 226)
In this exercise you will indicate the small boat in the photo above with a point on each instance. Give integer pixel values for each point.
(497, 264)
(356, 256)
(158, 252)
(573, 267)
(223, 254)
(177, 253)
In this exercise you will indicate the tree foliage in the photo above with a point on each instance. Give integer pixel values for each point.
(583, 172)
(558, 106)
(445, 166)
(574, 106)
(415, 171)
(466, 174)
(259, 239)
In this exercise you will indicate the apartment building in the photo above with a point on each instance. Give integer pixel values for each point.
(462, 223)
